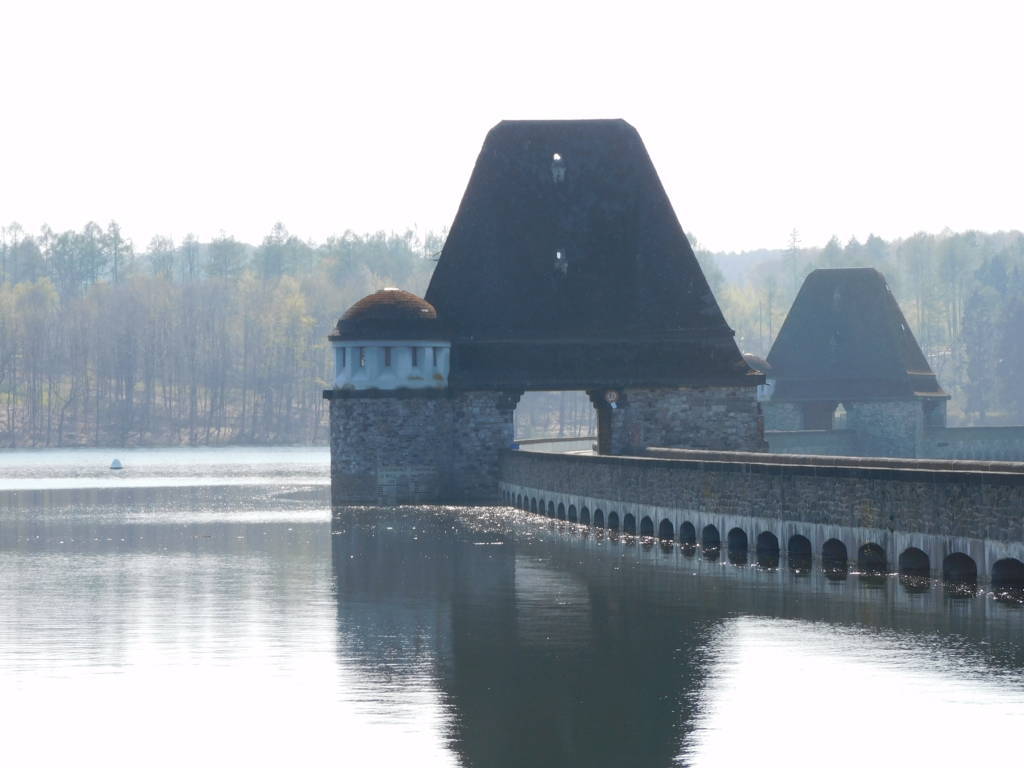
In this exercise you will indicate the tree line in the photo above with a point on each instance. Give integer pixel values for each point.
(224, 342)
(182, 343)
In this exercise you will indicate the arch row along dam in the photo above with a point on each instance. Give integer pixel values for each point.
(566, 269)
(957, 521)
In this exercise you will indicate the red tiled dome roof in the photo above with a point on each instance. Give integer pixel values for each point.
(390, 313)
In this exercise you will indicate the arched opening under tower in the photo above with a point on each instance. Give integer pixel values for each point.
(555, 422)
(819, 415)
(767, 550)
(736, 542)
(960, 575)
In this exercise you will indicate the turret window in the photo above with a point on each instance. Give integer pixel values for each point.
(415, 356)
(387, 357)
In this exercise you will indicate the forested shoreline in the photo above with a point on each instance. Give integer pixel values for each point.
(223, 342)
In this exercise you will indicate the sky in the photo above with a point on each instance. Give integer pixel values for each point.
(831, 118)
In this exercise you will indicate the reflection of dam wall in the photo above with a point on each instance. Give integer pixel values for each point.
(895, 505)
(684, 579)
(548, 644)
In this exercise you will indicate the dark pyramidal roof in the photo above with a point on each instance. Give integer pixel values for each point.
(846, 338)
(566, 267)
(389, 314)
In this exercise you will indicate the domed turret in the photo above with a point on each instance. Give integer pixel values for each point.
(391, 339)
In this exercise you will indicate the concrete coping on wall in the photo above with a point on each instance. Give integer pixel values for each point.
(906, 470)
(851, 462)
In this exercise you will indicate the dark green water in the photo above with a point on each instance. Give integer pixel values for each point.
(205, 608)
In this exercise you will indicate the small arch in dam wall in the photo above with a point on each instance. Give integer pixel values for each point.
(960, 575)
(647, 527)
(561, 511)
(768, 550)
(914, 568)
(835, 560)
(584, 516)
(914, 562)
(572, 514)
(613, 521)
(710, 542)
(1008, 579)
(736, 544)
(799, 554)
(629, 524)
(871, 559)
(666, 531)
(688, 534)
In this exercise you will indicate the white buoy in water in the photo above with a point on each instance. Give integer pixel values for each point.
(116, 464)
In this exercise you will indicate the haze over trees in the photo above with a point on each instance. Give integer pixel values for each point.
(102, 343)
(193, 343)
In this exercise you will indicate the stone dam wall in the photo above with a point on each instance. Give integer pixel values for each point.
(931, 509)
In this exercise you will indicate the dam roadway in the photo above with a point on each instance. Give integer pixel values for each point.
(959, 521)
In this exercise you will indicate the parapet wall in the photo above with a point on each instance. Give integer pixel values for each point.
(940, 508)
(982, 443)
(818, 442)
(968, 443)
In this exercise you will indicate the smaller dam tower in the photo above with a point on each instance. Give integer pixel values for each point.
(389, 406)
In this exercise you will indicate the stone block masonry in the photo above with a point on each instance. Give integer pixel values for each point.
(390, 448)
(719, 418)
(782, 416)
(418, 446)
(482, 428)
(887, 428)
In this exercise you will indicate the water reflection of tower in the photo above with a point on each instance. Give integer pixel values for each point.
(540, 662)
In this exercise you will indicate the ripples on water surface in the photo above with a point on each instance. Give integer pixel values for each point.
(201, 608)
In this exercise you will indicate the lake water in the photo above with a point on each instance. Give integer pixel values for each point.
(202, 607)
